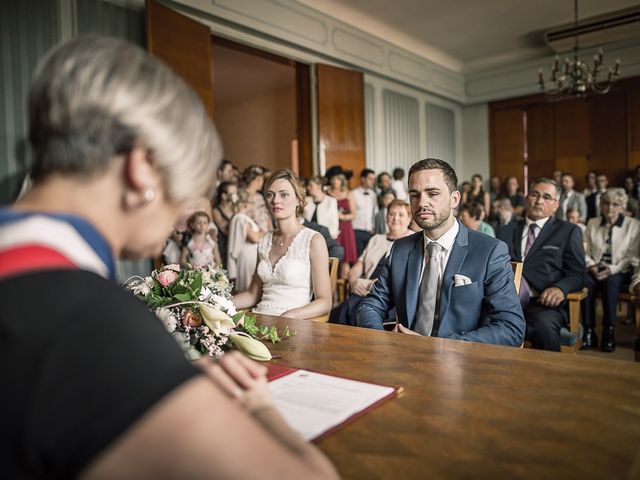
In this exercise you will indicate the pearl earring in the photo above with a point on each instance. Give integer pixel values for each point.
(149, 195)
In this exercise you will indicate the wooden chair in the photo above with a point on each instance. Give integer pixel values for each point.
(333, 278)
(635, 302)
(517, 274)
(572, 337)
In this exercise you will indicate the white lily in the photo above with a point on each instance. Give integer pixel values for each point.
(218, 321)
(252, 348)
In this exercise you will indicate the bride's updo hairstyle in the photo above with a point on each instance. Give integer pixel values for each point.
(93, 99)
(298, 188)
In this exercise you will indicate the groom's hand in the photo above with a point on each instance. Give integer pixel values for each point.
(399, 328)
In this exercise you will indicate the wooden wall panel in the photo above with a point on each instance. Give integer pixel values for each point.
(184, 45)
(609, 135)
(340, 100)
(633, 115)
(507, 144)
(572, 138)
(540, 140)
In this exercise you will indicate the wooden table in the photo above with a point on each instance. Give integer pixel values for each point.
(474, 411)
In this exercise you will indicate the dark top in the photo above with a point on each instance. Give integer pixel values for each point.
(80, 361)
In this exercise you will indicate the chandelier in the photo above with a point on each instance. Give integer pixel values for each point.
(577, 78)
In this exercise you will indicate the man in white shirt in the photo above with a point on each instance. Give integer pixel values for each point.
(366, 209)
(570, 199)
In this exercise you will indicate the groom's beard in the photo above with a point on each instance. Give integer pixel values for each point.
(435, 221)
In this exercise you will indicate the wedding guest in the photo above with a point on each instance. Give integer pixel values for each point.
(503, 214)
(339, 189)
(470, 214)
(495, 188)
(383, 181)
(201, 250)
(244, 236)
(366, 209)
(225, 173)
(361, 275)
(593, 200)
(477, 193)
(380, 220)
(292, 275)
(253, 178)
(95, 386)
(570, 199)
(222, 213)
(633, 202)
(573, 216)
(172, 248)
(556, 176)
(321, 208)
(398, 184)
(512, 192)
(612, 245)
(590, 181)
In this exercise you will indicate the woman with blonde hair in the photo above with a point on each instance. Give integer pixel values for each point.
(292, 275)
(95, 386)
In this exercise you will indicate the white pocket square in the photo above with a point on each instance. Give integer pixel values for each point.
(460, 280)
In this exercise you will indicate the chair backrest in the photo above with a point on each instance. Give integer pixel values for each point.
(333, 273)
(517, 274)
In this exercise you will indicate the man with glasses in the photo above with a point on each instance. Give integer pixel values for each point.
(554, 263)
(613, 241)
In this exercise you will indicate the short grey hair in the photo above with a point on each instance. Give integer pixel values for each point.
(548, 181)
(92, 98)
(612, 194)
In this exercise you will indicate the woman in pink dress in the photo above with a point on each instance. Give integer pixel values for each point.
(339, 189)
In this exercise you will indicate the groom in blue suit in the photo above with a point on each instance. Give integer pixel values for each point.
(460, 288)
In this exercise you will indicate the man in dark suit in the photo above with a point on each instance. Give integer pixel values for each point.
(593, 200)
(445, 281)
(554, 263)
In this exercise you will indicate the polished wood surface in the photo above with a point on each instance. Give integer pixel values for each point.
(184, 45)
(340, 102)
(507, 144)
(474, 411)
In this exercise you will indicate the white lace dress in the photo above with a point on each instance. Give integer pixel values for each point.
(287, 284)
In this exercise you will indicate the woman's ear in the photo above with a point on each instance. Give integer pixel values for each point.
(140, 176)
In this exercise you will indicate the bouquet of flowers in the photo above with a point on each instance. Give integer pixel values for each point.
(196, 308)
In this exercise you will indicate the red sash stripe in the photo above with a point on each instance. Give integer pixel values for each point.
(27, 258)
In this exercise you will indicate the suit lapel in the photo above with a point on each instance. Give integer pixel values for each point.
(456, 259)
(414, 267)
(542, 236)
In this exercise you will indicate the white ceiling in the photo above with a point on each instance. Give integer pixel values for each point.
(465, 35)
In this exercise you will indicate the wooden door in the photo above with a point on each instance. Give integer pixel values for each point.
(540, 141)
(184, 45)
(340, 97)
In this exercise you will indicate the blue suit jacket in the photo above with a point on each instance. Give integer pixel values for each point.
(487, 310)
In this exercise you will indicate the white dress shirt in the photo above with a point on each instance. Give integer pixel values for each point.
(446, 242)
(540, 223)
(366, 209)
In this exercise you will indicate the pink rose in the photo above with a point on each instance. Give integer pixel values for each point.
(167, 277)
(190, 319)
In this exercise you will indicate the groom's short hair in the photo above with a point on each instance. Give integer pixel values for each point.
(450, 177)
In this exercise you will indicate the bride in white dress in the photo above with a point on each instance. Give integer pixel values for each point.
(292, 274)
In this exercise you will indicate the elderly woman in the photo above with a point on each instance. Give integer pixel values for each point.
(93, 385)
(612, 244)
(363, 274)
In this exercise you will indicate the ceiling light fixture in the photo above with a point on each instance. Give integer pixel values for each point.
(577, 79)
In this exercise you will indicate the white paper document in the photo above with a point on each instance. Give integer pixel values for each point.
(312, 403)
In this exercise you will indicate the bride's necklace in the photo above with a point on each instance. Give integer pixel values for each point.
(286, 240)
